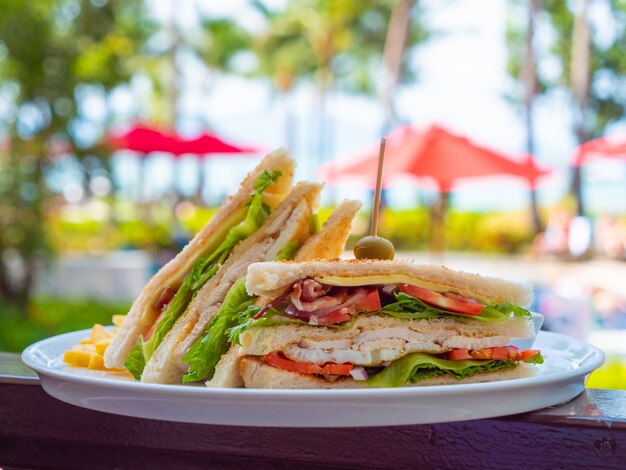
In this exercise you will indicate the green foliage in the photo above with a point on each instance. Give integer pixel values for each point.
(224, 39)
(329, 42)
(606, 102)
(465, 231)
(47, 316)
(611, 375)
(494, 232)
(52, 52)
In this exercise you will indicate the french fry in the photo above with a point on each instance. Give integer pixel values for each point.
(96, 362)
(102, 345)
(76, 358)
(98, 333)
(89, 352)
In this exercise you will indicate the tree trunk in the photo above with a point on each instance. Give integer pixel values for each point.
(529, 77)
(199, 199)
(395, 42)
(438, 223)
(579, 84)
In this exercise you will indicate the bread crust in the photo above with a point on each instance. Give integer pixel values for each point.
(256, 374)
(269, 278)
(173, 272)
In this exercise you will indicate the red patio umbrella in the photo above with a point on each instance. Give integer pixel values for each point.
(591, 151)
(145, 140)
(209, 144)
(433, 153)
(603, 147)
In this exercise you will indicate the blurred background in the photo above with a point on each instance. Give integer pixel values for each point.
(124, 123)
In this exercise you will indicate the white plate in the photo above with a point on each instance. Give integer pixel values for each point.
(559, 379)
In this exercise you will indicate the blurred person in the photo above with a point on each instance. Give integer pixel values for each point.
(610, 237)
(611, 309)
(555, 239)
(566, 304)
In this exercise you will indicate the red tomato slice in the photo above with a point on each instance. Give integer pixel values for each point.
(369, 303)
(306, 367)
(527, 354)
(334, 317)
(459, 355)
(437, 299)
(500, 354)
(485, 353)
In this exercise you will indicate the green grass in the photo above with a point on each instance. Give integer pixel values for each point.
(48, 316)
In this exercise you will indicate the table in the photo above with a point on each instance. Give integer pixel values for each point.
(38, 431)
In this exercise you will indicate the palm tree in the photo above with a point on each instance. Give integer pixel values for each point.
(395, 46)
(529, 78)
(579, 85)
(337, 45)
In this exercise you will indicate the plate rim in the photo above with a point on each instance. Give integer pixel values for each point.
(594, 359)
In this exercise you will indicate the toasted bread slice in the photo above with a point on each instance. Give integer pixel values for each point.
(271, 279)
(330, 242)
(142, 313)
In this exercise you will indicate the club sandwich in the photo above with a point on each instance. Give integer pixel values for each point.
(367, 323)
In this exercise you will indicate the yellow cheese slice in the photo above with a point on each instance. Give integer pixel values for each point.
(382, 279)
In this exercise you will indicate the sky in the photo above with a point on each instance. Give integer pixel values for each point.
(462, 85)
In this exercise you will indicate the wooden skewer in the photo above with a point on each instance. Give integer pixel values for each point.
(379, 179)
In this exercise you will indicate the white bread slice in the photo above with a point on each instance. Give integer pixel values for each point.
(328, 242)
(296, 209)
(256, 374)
(440, 334)
(272, 278)
(173, 273)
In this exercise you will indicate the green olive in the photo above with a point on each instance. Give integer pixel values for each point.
(374, 248)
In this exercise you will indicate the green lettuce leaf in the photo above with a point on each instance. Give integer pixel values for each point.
(314, 223)
(204, 355)
(419, 366)
(204, 269)
(135, 361)
(409, 307)
(288, 252)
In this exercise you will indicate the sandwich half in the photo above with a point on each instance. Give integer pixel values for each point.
(355, 324)
(286, 229)
(170, 291)
(211, 357)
